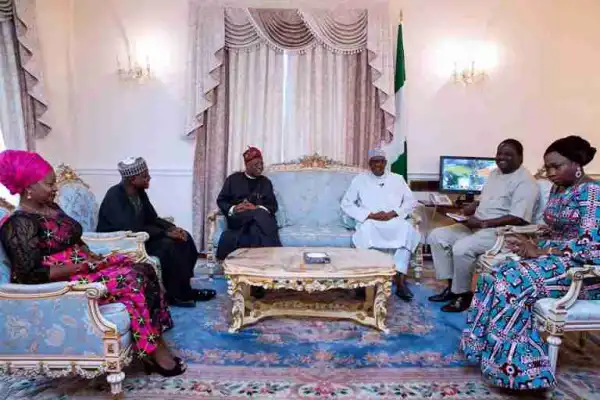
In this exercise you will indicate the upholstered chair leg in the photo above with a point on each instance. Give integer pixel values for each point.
(116, 383)
(553, 346)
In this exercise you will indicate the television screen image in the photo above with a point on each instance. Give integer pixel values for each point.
(464, 174)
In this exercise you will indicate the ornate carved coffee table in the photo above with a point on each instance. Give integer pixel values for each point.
(275, 268)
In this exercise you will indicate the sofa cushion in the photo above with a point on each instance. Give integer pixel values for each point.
(310, 236)
(118, 315)
(309, 197)
(582, 310)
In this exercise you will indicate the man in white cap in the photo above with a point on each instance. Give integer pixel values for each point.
(126, 207)
(381, 202)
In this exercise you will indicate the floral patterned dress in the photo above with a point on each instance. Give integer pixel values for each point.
(36, 244)
(501, 335)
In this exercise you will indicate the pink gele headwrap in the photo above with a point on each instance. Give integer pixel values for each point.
(20, 169)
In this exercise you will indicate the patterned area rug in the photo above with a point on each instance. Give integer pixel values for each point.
(312, 358)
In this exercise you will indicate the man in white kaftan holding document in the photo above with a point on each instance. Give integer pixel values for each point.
(380, 202)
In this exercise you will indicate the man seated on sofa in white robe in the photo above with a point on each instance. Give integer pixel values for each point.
(380, 202)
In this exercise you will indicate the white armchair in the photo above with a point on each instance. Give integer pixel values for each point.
(568, 313)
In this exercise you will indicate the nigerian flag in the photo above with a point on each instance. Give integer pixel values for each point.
(400, 165)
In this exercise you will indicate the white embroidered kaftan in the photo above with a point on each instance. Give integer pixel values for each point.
(370, 194)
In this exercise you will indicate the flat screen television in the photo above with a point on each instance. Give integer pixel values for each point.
(465, 175)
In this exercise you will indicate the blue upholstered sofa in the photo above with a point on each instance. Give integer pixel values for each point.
(309, 192)
(59, 329)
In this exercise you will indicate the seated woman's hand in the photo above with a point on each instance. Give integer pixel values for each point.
(524, 247)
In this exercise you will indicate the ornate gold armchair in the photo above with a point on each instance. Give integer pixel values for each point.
(59, 329)
(309, 192)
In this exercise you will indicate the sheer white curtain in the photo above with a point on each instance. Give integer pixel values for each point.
(315, 108)
(12, 122)
(4, 193)
(287, 104)
(256, 88)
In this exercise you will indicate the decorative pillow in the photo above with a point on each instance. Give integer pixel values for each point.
(348, 222)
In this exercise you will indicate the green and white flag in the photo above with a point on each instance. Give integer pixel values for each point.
(399, 147)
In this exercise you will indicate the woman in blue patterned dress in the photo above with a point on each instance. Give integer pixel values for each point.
(501, 335)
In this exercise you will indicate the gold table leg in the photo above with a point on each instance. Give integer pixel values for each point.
(238, 291)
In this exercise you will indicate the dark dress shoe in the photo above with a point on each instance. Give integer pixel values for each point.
(403, 292)
(460, 303)
(204, 294)
(446, 295)
(175, 302)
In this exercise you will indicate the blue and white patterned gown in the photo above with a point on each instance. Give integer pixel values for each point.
(500, 334)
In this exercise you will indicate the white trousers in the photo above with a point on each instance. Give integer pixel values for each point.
(455, 249)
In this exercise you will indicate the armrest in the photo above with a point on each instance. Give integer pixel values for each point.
(58, 312)
(577, 275)
(126, 242)
(520, 230)
(505, 231)
(415, 218)
(212, 218)
(45, 289)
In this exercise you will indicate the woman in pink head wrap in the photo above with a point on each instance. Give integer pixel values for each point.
(44, 245)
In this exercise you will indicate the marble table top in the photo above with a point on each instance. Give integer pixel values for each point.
(288, 263)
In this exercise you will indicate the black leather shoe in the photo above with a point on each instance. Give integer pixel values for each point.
(461, 303)
(204, 294)
(403, 292)
(446, 295)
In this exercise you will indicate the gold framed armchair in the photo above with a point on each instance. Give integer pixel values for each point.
(59, 329)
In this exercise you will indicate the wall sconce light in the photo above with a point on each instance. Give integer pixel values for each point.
(134, 71)
(468, 75)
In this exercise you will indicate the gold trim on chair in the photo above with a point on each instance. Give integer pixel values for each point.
(114, 359)
(66, 174)
(313, 162)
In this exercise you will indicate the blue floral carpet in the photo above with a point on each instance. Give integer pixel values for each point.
(420, 335)
(313, 358)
